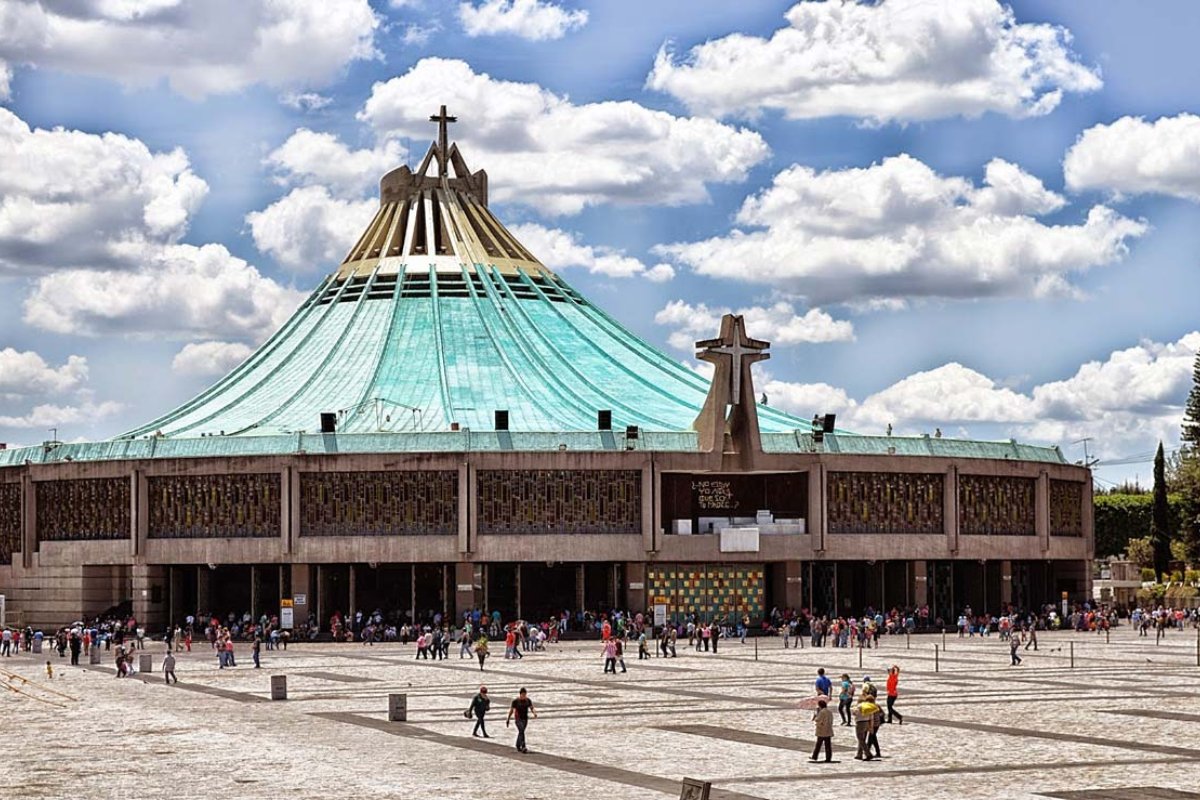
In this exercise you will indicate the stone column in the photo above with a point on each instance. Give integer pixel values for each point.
(255, 591)
(300, 588)
(202, 577)
(793, 576)
(635, 586)
(353, 594)
(464, 588)
(465, 496)
(140, 491)
(148, 607)
(920, 582)
(1042, 510)
(950, 509)
(649, 531)
(815, 521)
(1006, 583)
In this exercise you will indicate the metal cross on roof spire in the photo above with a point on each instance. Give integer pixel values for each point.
(442, 119)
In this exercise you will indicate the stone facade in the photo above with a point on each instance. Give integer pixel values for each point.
(894, 528)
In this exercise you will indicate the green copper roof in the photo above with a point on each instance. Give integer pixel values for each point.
(425, 350)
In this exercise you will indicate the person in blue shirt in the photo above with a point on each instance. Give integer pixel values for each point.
(824, 685)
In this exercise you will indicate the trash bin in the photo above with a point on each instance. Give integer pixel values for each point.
(279, 687)
(397, 708)
(145, 663)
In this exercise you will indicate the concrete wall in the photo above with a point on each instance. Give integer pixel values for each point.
(56, 582)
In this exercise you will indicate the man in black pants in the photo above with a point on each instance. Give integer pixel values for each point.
(521, 708)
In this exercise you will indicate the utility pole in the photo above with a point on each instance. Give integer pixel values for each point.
(1088, 461)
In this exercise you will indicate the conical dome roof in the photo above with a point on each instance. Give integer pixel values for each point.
(437, 318)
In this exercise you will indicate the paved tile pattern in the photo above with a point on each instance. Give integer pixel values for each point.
(1119, 724)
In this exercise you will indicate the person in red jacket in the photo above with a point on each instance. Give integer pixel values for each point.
(893, 684)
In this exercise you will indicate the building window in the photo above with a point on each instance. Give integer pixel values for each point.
(92, 508)
(997, 505)
(885, 502)
(413, 503)
(560, 501)
(214, 506)
(1066, 508)
(10, 521)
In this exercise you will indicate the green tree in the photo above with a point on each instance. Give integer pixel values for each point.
(1140, 551)
(1191, 414)
(1160, 518)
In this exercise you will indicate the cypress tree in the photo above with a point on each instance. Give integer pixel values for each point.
(1191, 415)
(1160, 521)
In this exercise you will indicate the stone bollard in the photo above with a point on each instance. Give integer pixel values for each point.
(145, 663)
(397, 708)
(279, 687)
(94, 655)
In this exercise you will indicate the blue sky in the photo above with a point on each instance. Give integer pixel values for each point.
(897, 286)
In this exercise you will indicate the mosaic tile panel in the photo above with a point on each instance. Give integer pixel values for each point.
(560, 501)
(727, 591)
(90, 508)
(10, 521)
(214, 506)
(413, 503)
(885, 502)
(996, 505)
(1066, 508)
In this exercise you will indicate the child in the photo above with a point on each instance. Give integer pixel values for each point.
(49, 671)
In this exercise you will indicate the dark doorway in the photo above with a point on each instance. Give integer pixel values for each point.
(387, 587)
(229, 591)
(431, 591)
(599, 588)
(547, 590)
(502, 590)
(267, 591)
(895, 585)
(183, 596)
(335, 592)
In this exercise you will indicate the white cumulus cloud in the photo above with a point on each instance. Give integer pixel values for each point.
(309, 229)
(1133, 156)
(26, 374)
(897, 230)
(1126, 402)
(211, 47)
(542, 150)
(5, 81)
(81, 199)
(897, 60)
(559, 249)
(309, 158)
(48, 415)
(209, 358)
(530, 19)
(778, 323)
(182, 291)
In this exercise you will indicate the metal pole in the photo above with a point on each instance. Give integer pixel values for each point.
(756, 648)
(1106, 636)
(943, 638)
(936, 665)
(907, 641)
(1072, 655)
(1198, 646)
(860, 649)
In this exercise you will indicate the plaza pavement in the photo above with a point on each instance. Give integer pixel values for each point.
(1123, 723)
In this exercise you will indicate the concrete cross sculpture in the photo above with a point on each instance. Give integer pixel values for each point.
(728, 423)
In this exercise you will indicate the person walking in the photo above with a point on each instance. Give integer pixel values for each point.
(481, 650)
(168, 666)
(845, 698)
(619, 653)
(823, 684)
(864, 720)
(479, 708)
(610, 656)
(1013, 646)
(823, 721)
(521, 708)
(893, 684)
(255, 651)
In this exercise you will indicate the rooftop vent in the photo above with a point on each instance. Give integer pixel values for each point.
(603, 420)
(501, 420)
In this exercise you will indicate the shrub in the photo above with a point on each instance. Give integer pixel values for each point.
(1176, 577)
(1148, 574)
(1192, 576)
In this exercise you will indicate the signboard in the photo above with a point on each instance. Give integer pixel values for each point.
(636, 586)
(660, 615)
(711, 495)
(287, 618)
(301, 599)
(465, 587)
(285, 603)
